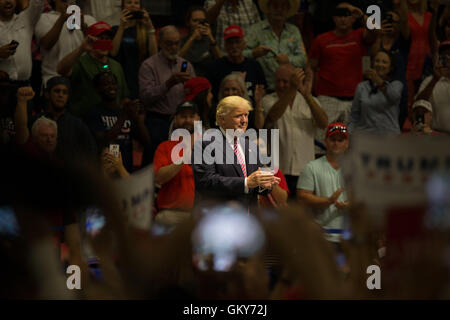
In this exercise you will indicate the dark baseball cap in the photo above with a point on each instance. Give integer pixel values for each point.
(187, 105)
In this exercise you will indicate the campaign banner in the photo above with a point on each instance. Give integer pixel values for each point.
(386, 171)
(135, 194)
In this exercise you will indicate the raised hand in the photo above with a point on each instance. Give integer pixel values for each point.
(259, 93)
(25, 94)
(125, 19)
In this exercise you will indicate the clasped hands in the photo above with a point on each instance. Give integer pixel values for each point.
(262, 180)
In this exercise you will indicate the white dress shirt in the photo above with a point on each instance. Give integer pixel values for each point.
(230, 141)
(297, 129)
(67, 42)
(20, 28)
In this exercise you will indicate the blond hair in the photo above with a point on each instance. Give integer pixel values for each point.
(229, 103)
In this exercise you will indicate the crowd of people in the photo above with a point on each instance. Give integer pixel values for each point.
(82, 107)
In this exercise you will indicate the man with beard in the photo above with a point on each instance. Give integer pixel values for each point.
(320, 184)
(161, 79)
(176, 197)
(114, 124)
(75, 142)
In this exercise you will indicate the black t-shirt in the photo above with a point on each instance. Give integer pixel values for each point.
(101, 119)
(223, 67)
(128, 57)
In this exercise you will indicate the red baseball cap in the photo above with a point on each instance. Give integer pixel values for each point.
(233, 31)
(194, 86)
(337, 127)
(98, 28)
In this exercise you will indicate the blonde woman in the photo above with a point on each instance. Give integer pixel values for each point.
(134, 41)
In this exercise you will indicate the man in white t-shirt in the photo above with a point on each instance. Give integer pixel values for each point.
(16, 33)
(436, 89)
(296, 113)
(320, 184)
(55, 39)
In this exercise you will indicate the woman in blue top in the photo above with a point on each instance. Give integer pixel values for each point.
(376, 104)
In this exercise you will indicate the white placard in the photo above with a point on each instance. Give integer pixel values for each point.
(135, 194)
(393, 170)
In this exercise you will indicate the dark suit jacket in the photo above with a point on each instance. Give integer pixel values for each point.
(225, 182)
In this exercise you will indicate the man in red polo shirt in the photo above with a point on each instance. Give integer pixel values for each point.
(176, 198)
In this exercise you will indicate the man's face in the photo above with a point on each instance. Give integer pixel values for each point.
(236, 119)
(232, 88)
(58, 96)
(344, 22)
(185, 120)
(7, 8)
(282, 80)
(108, 87)
(102, 53)
(278, 10)
(46, 138)
(170, 45)
(234, 47)
(337, 144)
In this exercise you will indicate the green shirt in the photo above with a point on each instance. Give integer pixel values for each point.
(289, 43)
(84, 96)
(323, 180)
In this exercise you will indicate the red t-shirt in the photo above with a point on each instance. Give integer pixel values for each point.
(340, 63)
(420, 46)
(264, 201)
(179, 192)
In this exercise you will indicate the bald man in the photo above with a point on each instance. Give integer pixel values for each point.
(161, 80)
(293, 110)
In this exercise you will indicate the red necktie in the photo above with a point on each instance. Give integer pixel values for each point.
(239, 157)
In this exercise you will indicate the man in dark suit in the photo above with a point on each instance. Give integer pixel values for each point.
(232, 172)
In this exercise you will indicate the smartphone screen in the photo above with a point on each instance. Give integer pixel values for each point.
(184, 66)
(114, 149)
(223, 236)
(95, 221)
